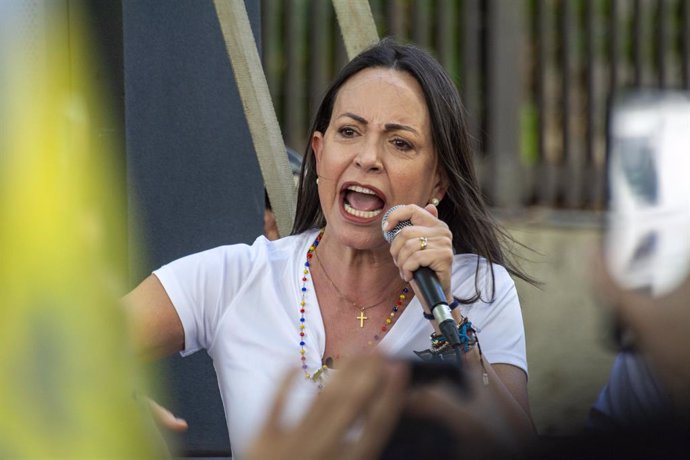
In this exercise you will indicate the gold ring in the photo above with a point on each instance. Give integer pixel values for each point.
(422, 243)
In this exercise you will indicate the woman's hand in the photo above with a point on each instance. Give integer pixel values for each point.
(351, 419)
(428, 242)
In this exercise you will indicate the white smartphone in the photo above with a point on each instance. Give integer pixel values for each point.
(647, 239)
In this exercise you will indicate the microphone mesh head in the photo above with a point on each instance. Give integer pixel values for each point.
(393, 232)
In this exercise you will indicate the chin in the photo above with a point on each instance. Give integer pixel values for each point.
(358, 237)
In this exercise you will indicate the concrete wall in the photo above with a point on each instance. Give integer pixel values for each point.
(568, 351)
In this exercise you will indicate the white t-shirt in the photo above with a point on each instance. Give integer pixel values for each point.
(241, 304)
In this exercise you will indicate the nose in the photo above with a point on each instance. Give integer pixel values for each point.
(369, 157)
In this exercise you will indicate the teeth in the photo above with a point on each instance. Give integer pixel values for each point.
(357, 188)
(364, 214)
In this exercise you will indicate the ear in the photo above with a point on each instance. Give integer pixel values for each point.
(440, 186)
(317, 148)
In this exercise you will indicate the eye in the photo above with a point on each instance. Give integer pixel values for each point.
(347, 131)
(402, 144)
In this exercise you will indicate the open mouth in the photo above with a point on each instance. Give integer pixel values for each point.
(362, 202)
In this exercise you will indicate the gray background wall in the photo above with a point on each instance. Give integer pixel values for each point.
(193, 178)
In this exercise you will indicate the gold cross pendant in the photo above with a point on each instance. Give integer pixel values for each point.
(361, 318)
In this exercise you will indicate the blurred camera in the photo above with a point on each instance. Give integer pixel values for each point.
(647, 240)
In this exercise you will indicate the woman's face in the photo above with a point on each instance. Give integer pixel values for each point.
(377, 152)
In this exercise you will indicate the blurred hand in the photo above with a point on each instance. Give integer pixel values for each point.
(661, 326)
(164, 418)
(366, 394)
(160, 422)
(485, 419)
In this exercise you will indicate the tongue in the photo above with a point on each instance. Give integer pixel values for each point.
(363, 201)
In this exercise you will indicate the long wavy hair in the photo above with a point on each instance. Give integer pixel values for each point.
(462, 208)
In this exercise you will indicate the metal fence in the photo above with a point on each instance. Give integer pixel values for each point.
(535, 76)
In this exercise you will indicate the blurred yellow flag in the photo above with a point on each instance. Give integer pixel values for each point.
(67, 373)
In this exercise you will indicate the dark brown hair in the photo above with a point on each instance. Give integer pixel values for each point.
(462, 208)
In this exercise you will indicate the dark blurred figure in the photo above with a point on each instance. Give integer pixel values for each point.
(270, 224)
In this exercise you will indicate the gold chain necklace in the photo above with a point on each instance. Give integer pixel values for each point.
(316, 376)
(361, 317)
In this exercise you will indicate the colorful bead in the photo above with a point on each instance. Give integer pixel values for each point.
(389, 320)
(316, 376)
(302, 311)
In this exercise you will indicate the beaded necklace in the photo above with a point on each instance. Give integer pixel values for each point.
(317, 375)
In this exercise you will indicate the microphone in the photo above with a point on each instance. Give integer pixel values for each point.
(430, 288)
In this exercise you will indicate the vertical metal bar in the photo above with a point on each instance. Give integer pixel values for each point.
(614, 53)
(552, 148)
(395, 18)
(377, 13)
(272, 55)
(504, 99)
(565, 27)
(294, 111)
(445, 46)
(592, 184)
(266, 29)
(340, 50)
(540, 98)
(574, 132)
(685, 43)
(421, 22)
(662, 42)
(471, 77)
(637, 41)
(320, 51)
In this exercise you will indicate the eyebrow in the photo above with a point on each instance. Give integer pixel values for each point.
(387, 126)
